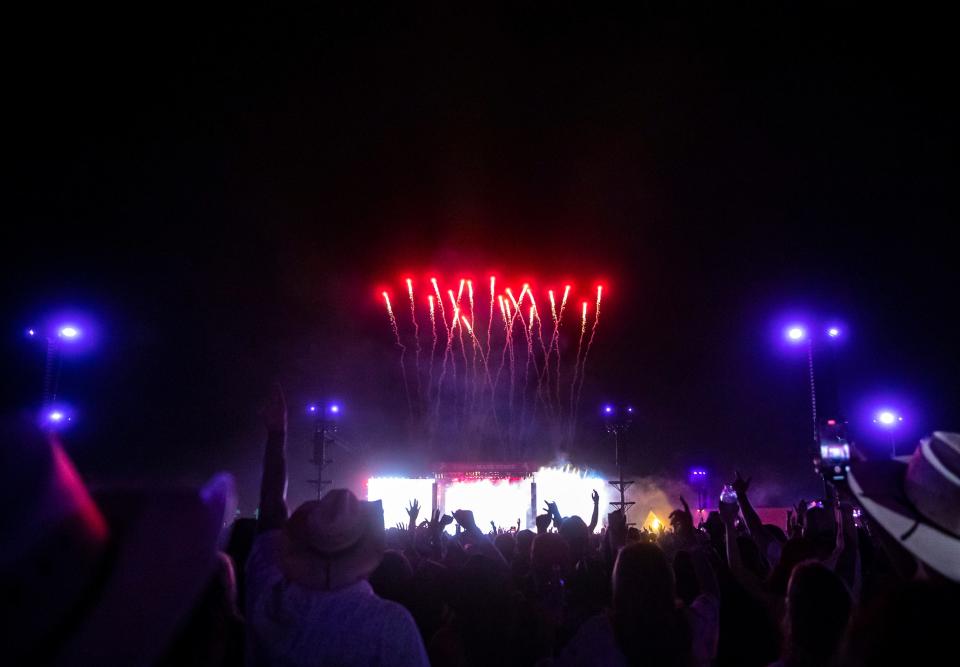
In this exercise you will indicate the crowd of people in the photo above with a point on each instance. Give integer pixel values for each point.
(870, 575)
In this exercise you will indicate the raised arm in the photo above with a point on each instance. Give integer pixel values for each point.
(750, 516)
(595, 517)
(273, 485)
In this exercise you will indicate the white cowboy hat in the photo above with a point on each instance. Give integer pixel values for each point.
(916, 499)
(333, 542)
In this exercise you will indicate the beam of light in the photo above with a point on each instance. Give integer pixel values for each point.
(566, 293)
(466, 323)
(396, 493)
(460, 292)
(553, 307)
(68, 332)
(533, 312)
(509, 312)
(503, 310)
(583, 319)
(453, 301)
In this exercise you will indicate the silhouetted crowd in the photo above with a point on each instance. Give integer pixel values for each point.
(867, 575)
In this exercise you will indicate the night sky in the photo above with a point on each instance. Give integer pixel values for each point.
(226, 195)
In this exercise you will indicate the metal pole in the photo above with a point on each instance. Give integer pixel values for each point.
(813, 396)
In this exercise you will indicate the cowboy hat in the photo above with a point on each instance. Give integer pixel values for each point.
(916, 499)
(104, 578)
(333, 542)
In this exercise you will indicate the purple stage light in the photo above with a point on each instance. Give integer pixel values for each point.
(796, 334)
(334, 409)
(887, 418)
(630, 409)
(608, 409)
(68, 332)
(312, 409)
(56, 417)
(833, 332)
(31, 332)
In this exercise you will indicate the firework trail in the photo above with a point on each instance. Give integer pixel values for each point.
(416, 338)
(556, 339)
(443, 316)
(573, 384)
(586, 353)
(509, 327)
(473, 361)
(403, 351)
(433, 347)
(479, 348)
(446, 356)
(503, 354)
(493, 282)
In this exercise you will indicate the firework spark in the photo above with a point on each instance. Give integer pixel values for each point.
(403, 350)
(472, 400)
(416, 338)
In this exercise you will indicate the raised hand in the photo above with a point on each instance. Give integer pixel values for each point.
(493, 527)
(595, 497)
(465, 519)
(413, 511)
(740, 485)
(682, 520)
(274, 410)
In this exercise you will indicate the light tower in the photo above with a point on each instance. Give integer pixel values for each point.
(617, 424)
(324, 426)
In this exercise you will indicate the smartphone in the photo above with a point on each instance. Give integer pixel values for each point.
(834, 460)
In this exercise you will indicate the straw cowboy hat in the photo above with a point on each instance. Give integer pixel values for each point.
(97, 579)
(917, 500)
(333, 542)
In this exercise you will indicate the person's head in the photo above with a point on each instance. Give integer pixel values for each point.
(392, 578)
(525, 543)
(647, 623)
(550, 555)
(507, 545)
(333, 542)
(817, 614)
(577, 536)
(794, 551)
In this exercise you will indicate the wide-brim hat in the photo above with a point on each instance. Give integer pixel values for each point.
(333, 542)
(123, 567)
(916, 499)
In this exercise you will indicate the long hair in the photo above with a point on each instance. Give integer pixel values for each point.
(649, 627)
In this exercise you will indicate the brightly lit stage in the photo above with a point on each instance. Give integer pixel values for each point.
(500, 492)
